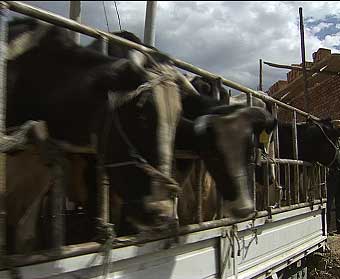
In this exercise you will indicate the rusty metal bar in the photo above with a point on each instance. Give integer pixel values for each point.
(3, 78)
(92, 32)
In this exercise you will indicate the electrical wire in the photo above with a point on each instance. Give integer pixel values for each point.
(120, 26)
(107, 22)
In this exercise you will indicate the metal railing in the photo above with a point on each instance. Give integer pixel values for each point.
(105, 37)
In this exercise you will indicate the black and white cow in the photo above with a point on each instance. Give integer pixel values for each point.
(82, 94)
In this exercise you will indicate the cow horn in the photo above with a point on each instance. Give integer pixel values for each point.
(201, 124)
(187, 86)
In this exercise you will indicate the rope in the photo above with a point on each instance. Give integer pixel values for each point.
(106, 236)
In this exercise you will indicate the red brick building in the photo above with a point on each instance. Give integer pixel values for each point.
(323, 89)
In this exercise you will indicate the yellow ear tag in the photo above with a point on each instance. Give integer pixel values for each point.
(264, 137)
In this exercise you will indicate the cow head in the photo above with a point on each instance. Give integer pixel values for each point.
(318, 142)
(225, 144)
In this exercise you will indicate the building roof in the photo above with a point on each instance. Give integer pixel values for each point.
(295, 88)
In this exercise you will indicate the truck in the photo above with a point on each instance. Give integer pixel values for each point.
(273, 243)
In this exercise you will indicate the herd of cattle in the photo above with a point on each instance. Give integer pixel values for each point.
(137, 109)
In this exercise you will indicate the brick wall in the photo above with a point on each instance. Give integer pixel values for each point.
(324, 97)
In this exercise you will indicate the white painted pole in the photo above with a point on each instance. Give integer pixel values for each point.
(149, 27)
(75, 14)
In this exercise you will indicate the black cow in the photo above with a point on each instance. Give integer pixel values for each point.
(209, 87)
(79, 93)
(317, 143)
(222, 135)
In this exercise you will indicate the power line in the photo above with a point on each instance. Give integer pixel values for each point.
(107, 22)
(120, 27)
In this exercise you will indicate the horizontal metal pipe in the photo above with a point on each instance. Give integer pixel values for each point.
(93, 247)
(96, 33)
(288, 161)
(299, 68)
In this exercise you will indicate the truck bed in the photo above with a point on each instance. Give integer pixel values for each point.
(255, 248)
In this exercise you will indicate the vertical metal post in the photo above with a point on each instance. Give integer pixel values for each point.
(253, 159)
(149, 28)
(288, 185)
(267, 184)
(60, 177)
(217, 85)
(200, 174)
(261, 76)
(303, 55)
(285, 181)
(75, 14)
(319, 183)
(102, 179)
(305, 183)
(3, 78)
(295, 156)
(277, 147)
(249, 100)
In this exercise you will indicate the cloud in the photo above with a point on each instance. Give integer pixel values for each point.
(227, 38)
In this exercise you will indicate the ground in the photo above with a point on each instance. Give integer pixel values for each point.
(326, 265)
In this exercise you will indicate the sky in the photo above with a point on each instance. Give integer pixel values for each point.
(225, 37)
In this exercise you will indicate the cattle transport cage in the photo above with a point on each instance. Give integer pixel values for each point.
(273, 243)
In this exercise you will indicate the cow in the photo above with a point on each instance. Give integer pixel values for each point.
(210, 88)
(89, 98)
(222, 135)
(316, 142)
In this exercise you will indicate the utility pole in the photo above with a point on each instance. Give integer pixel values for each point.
(303, 55)
(149, 27)
(75, 14)
(261, 76)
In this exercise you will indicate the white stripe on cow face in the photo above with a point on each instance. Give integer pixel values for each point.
(168, 104)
